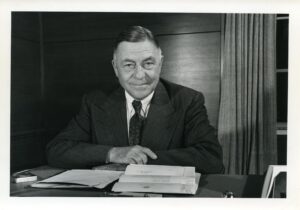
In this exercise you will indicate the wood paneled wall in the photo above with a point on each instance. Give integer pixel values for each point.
(77, 53)
(193, 60)
(26, 104)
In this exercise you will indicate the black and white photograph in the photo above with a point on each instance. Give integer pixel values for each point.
(149, 105)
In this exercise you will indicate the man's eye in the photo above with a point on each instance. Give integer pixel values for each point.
(148, 65)
(129, 66)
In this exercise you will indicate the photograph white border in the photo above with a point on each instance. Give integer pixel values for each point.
(195, 6)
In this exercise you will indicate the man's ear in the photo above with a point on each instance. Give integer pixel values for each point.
(161, 57)
(113, 62)
(161, 61)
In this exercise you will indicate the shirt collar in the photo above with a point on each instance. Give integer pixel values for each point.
(145, 101)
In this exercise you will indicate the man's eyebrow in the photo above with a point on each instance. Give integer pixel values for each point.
(149, 58)
(128, 60)
(146, 59)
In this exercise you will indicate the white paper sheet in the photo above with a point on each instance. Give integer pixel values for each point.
(157, 187)
(159, 170)
(59, 185)
(158, 179)
(90, 178)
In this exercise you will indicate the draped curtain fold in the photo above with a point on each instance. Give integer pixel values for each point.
(247, 118)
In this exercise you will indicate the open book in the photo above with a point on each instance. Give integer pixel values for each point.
(158, 179)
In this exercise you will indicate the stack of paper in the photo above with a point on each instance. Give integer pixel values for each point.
(80, 179)
(158, 179)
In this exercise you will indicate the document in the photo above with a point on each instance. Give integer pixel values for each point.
(158, 179)
(159, 187)
(153, 170)
(80, 179)
(58, 185)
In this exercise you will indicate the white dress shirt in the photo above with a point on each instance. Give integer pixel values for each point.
(130, 110)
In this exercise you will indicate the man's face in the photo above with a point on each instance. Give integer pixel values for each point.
(138, 67)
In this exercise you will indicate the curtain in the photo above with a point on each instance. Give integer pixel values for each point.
(247, 118)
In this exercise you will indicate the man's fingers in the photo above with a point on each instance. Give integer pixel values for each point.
(134, 154)
(131, 161)
(149, 153)
(143, 157)
(139, 158)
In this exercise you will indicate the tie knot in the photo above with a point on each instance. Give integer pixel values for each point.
(137, 105)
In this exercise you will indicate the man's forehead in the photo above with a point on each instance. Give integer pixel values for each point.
(137, 47)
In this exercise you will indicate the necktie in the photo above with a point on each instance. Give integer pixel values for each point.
(136, 124)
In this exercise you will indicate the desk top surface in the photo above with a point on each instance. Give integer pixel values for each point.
(213, 185)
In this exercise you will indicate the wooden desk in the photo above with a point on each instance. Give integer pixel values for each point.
(213, 185)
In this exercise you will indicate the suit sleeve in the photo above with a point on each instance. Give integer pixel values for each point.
(73, 147)
(201, 147)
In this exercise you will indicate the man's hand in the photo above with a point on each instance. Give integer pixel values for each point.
(133, 154)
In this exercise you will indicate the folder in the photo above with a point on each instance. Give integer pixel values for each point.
(80, 179)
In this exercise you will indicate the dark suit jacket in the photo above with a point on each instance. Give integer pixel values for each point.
(176, 129)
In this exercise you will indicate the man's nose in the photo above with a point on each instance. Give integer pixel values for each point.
(139, 72)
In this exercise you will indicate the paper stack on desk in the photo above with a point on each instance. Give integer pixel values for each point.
(80, 178)
(158, 179)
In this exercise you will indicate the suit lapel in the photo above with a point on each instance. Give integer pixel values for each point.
(161, 121)
(116, 112)
(159, 126)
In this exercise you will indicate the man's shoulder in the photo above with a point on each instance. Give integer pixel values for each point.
(100, 96)
(95, 94)
(182, 97)
(177, 90)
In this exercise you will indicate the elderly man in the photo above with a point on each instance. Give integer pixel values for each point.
(147, 120)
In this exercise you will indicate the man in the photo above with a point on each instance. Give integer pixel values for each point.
(147, 120)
